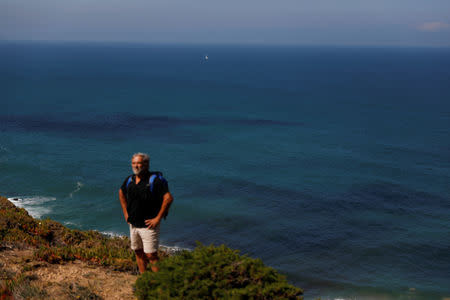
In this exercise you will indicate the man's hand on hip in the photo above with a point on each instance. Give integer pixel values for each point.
(152, 223)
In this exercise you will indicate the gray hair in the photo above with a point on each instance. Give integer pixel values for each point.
(145, 157)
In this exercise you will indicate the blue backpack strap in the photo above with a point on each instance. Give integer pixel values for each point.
(129, 181)
(163, 181)
(152, 179)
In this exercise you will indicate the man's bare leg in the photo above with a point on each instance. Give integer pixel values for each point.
(153, 258)
(141, 260)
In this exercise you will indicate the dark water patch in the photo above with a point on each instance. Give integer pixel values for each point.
(266, 200)
(302, 218)
(228, 187)
(236, 234)
(123, 125)
(391, 198)
(235, 224)
(430, 151)
(291, 218)
(385, 213)
(265, 122)
(122, 121)
(318, 288)
(361, 231)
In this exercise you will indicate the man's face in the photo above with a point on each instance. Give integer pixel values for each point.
(138, 165)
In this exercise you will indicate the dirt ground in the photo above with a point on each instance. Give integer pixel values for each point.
(73, 280)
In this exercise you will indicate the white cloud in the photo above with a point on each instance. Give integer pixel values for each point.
(433, 26)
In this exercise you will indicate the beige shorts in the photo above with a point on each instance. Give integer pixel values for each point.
(144, 238)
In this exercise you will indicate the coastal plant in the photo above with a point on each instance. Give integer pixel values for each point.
(211, 272)
(18, 286)
(118, 258)
(55, 243)
(17, 226)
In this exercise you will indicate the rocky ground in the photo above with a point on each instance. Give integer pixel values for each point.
(34, 279)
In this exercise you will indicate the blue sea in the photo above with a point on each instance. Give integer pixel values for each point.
(331, 164)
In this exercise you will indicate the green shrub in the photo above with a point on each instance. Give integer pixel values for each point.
(211, 272)
(56, 243)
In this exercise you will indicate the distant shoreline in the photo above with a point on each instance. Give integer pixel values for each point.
(220, 45)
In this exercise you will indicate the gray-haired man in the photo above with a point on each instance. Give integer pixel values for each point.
(145, 200)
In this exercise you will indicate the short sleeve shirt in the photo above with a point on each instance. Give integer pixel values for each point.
(142, 204)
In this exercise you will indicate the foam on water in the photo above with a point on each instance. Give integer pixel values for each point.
(35, 205)
(112, 234)
(173, 250)
(71, 224)
(165, 248)
(78, 188)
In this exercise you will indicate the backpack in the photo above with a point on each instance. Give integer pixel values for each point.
(151, 180)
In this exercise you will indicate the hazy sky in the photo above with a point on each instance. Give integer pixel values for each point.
(316, 22)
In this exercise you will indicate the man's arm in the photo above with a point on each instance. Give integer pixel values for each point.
(167, 201)
(123, 203)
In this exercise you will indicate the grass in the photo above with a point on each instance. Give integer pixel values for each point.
(19, 286)
(56, 244)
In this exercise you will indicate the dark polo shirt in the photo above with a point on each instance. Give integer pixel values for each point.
(141, 203)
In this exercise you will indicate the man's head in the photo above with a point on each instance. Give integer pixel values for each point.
(140, 162)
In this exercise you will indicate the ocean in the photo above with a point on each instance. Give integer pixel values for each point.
(331, 164)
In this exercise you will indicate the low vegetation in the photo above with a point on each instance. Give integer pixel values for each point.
(208, 272)
(211, 272)
(56, 243)
(19, 286)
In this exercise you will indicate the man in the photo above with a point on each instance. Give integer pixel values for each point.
(145, 200)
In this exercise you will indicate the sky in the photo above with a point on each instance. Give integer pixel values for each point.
(296, 22)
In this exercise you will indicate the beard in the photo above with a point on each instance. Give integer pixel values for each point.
(138, 170)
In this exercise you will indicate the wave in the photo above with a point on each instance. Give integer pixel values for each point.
(112, 234)
(173, 249)
(33, 204)
(168, 249)
(71, 224)
(78, 188)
